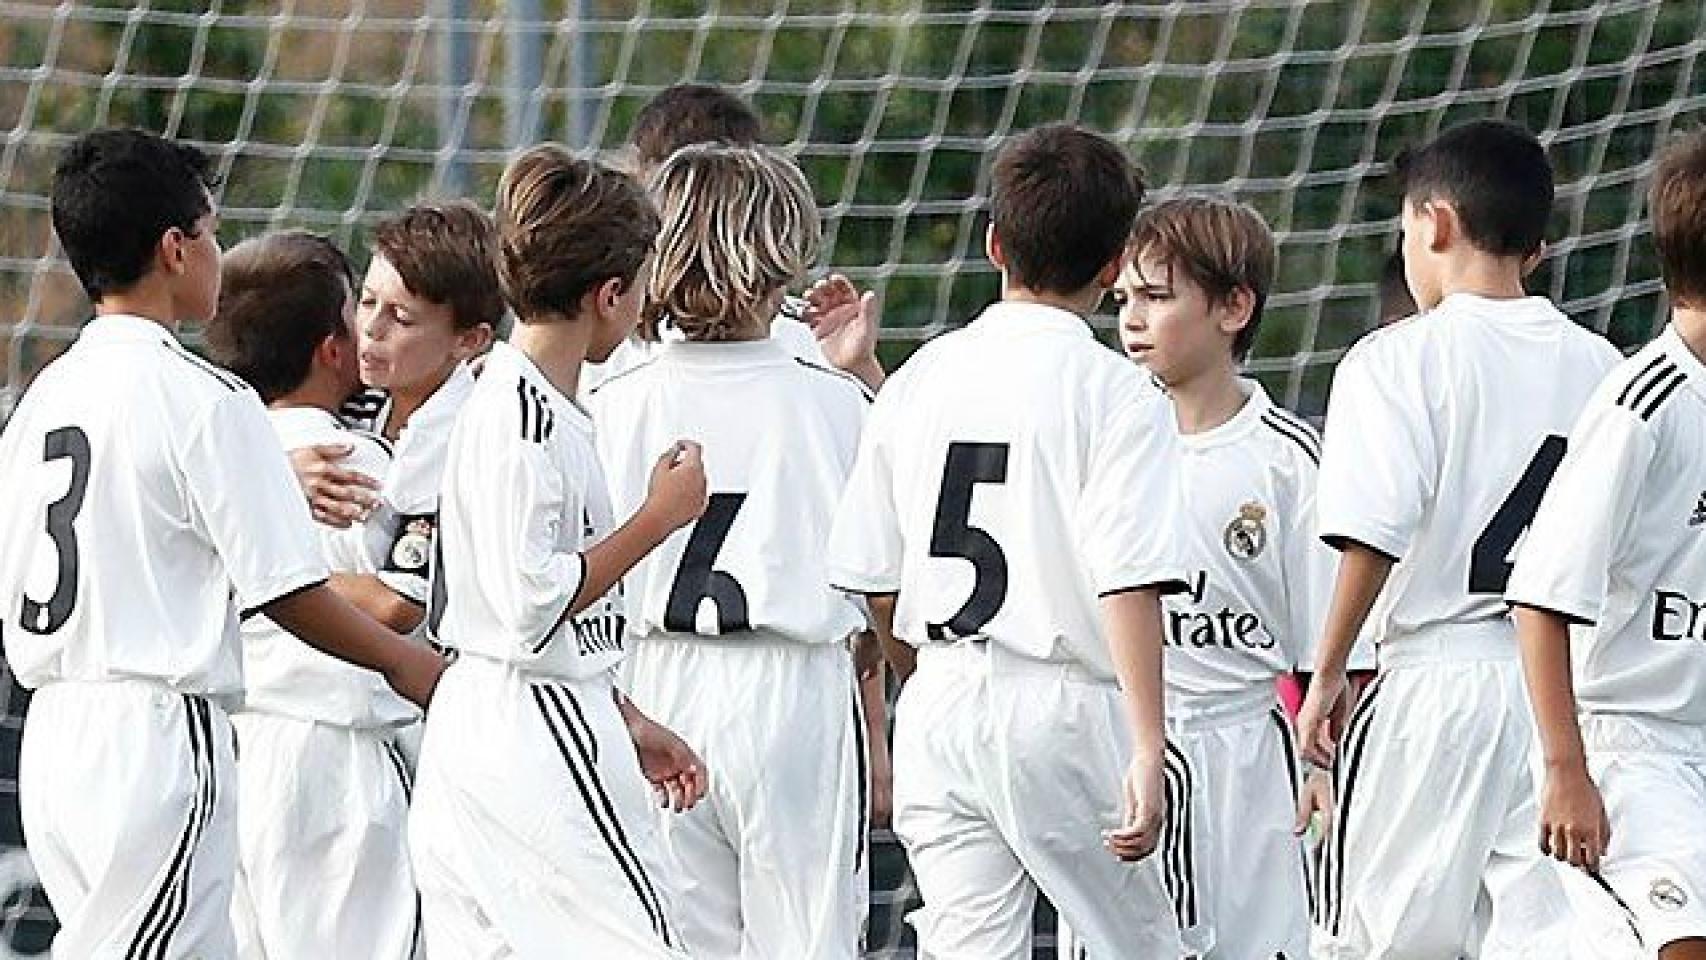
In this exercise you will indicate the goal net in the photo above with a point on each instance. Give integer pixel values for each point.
(328, 114)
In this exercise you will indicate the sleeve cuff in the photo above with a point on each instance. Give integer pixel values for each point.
(848, 581)
(1385, 543)
(1571, 612)
(1163, 584)
(285, 590)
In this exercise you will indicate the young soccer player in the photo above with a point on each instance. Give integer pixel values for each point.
(834, 324)
(743, 646)
(1014, 487)
(130, 548)
(1442, 431)
(429, 303)
(1615, 548)
(323, 794)
(1191, 303)
(530, 830)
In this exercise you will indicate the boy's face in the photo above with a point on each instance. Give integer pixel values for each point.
(344, 350)
(198, 289)
(616, 318)
(407, 344)
(1168, 323)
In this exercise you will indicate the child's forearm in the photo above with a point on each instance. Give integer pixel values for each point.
(610, 559)
(1132, 622)
(902, 658)
(1362, 573)
(1545, 641)
(372, 597)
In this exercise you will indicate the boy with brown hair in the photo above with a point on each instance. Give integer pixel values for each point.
(1009, 505)
(1616, 552)
(530, 828)
(1191, 303)
(323, 795)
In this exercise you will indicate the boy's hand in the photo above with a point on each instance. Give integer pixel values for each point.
(1315, 796)
(677, 494)
(1315, 720)
(845, 323)
(1573, 825)
(676, 773)
(338, 497)
(415, 674)
(1145, 803)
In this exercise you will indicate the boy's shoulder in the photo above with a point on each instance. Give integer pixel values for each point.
(1643, 385)
(839, 385)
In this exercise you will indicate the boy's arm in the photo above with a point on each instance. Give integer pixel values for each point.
(375, 598)
(1362, 573)
(1132, 622)
(1573, 824)
(675, 498)
(330, 624)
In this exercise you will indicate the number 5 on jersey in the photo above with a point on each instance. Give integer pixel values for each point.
(697, 579)
(968, 465)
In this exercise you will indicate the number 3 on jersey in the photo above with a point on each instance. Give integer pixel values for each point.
(697, 579)
(1490, 562)
(65, 443)
(968, 465)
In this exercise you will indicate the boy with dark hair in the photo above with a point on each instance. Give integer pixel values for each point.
(686, 114)
(1029, 575)
(1616, 550)
(531, 831)
(128, 553)
(1191, 303)
(1442, 432)
(323, 795)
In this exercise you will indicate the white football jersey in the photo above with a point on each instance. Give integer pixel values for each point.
(1260, 579)
(1619, 543)
(779, 437)
(407, 516)
(283, 675)
(147, 503)
(523, 496)
(1010, 473)
(1442, 431)
(794, 336)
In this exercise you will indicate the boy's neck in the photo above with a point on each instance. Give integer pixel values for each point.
(1080, 303)
(315, 393)
(1208, 400)
(1690, 324)
(144, 300)
(406, 403)
(557, 347)
(1481, 275)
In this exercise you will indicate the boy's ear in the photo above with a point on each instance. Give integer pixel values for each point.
(473, 341)
(992, 247)
(1236, 310)
(171, 252)
(1440, 228)
(1110, 272)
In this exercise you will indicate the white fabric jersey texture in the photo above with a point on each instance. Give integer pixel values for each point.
(283, 675)
(1260, 578)
(148, 502)
(1009, 474)
(1432, 426)
(1619, 542)
(779, 437)
(523, 495)
(406, 520)
(791, 334)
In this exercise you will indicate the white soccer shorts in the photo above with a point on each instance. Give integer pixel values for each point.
(532, 832)
(323, 863)
(1006, 773)
(128, 795)
(772, 862)
(1435, 847)
(1652, 778)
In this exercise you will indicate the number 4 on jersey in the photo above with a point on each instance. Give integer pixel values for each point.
(697, 579)
(1491, 561)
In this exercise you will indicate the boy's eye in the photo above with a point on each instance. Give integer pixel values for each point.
(1120, 297)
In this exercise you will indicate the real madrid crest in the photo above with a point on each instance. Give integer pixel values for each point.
(1247, 535)
(413, 546)
(1666, 895)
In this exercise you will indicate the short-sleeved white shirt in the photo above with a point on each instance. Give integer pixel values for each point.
(1010, 473)
(1619, 543)
(794, 337)
(147, 503)
(407, 516)
(283, 675)
(1260, 579)
(779, 438)
(1432, 423)
(523, 497)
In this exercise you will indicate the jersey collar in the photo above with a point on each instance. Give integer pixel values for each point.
(746, 353)
(127, 326)
(1677, 350)
(1256, 402)
(304, 416)
(1013, 317)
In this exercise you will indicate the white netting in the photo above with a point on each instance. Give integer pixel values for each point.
(328, 114)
